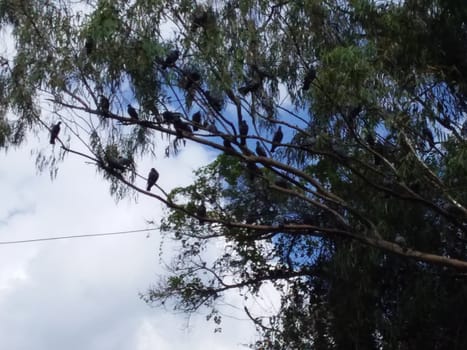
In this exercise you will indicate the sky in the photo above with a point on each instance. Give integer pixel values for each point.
(84, 293)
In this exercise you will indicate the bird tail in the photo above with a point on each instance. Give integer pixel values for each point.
(148, 188)
(52, 140)
(273, 148)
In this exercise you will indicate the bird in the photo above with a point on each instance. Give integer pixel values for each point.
(243, 132)
(201, 212)
(260, 150)
(171, 117)
(89, 45)
(308, 79)
(181, 128)
(261, 72)
(194, 77)
(251, 86)
(132, 112)
(54, 132)
(104, 104)
(227, 143)
(199, 20)
(428, 136)
(370, 140)
(190, 80)
(152, 178)
(354, 112)
(464, 129)
(170, 59)
(212, 128)
(276, 139)
(379, 148)
(281, 183)
(196, 118)
(216, 102)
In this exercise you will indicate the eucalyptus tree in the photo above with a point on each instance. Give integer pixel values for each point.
(340, 131)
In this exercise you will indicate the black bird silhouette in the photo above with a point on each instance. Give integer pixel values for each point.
(190, 80)
(260, 150)
(152, 179)
(89, 45)
(54, 133)
(261, 72)
(104, 104)
(251, 86)
(201, 211)
(379, 148)
(196, 118)
(200, 19)
(212, 128)
(277, 139)
(308, 79)
(132, 112)
(281, 182)
(370, 140)
(354, 112)
(216, 102)
(171, 117)
(464, 129)
(428, 135)
(228, 144)
(181, 128)
(243, 132)
(170, 59)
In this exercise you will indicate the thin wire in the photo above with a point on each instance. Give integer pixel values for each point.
(77, 236)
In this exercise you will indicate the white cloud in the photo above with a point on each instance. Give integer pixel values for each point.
(83, 293)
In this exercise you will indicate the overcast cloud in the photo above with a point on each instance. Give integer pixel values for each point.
(83, 293)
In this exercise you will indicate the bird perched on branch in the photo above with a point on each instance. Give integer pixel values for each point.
(228, 144)
(54, 133)
(260, 150)
(190, 80)
(464, 129)
(200, 19)
(170, 59)
(308, 79)
(201, 212)
(428, 136)
(243, 132)
(277, 139)
(196, 118)
(182, 128)
(370, 140)
(250, 86)
(132, 112)
(171, 117)
(152, 179)
(89, 45)
(214, 101)
(104, 104)
(212, 128)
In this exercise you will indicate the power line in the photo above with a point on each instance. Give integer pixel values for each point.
(78, 236)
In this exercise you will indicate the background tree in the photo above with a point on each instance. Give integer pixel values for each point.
(357, 217)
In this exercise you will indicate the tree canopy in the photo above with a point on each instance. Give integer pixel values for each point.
(355, 211)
